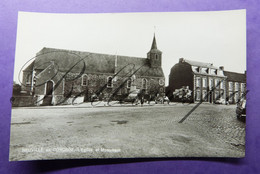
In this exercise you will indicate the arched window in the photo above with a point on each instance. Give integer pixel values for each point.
(109, 82)
(144, 84)
(84, 80)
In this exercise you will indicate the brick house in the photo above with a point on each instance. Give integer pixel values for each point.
(201, 78)
(57, 76)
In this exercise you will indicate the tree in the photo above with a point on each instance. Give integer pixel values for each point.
(16, 89)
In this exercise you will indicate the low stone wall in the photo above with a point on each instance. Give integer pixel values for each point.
(23, 101)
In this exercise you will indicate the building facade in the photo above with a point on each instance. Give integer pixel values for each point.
(206, 82)
(59, 76)
(235, 86)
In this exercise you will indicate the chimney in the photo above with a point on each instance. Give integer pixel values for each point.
(181, 60)
(221, 68)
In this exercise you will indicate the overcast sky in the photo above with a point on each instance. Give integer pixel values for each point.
(211, 37)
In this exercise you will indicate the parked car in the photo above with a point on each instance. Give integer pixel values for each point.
(241, 110)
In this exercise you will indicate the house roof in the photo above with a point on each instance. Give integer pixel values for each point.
(236, 77)
(94, 62)
(200, 64)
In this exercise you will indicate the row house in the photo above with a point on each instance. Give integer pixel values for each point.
(207, 82)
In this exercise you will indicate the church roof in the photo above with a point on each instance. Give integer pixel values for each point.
(29, 67)
(95, 62)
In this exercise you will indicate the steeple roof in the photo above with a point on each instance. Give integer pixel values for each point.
(154, 45)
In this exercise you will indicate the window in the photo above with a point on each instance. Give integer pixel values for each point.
(236, 86)
(236, 97)
(128, 83)
(213, 71)
(84, 80)
(204, 82)
(109, 82)
(28, 79)
(217, 83)
(230, 97)
(204, 95)
(230, 86)
(222, 95)
(197, 81)
(221, 85)
(217, 95)
(144, 84)
(198, 95)
(119, 92)
(210, 83)
(204, 70)
(243, 86)
(161, 90)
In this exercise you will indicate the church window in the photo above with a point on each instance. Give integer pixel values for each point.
(28, 79)
(84, 80)
(109, 82)
(144, 84)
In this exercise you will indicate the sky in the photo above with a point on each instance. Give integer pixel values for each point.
(217, 37)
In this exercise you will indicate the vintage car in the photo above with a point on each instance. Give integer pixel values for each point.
(241, 110)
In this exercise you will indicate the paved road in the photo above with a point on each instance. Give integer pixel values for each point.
(125, 131)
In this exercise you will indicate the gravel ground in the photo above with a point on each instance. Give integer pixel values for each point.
(82, 131)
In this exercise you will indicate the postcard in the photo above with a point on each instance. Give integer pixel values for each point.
(129, 85)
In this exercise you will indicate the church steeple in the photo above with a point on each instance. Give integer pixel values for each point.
(154, 56)
(154, 45)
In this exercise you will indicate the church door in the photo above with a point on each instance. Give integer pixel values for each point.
(47, 100)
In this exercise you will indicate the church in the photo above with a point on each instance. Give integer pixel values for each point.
(58, 76)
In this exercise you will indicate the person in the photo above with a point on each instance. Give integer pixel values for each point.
(166, 99)
(142, 100)
(92, 99)
(149, 99)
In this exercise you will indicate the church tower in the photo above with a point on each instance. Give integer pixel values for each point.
(154, 56)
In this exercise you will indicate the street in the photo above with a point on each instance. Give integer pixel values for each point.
(126, 131)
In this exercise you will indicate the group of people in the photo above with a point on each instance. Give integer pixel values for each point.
(139, 99)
